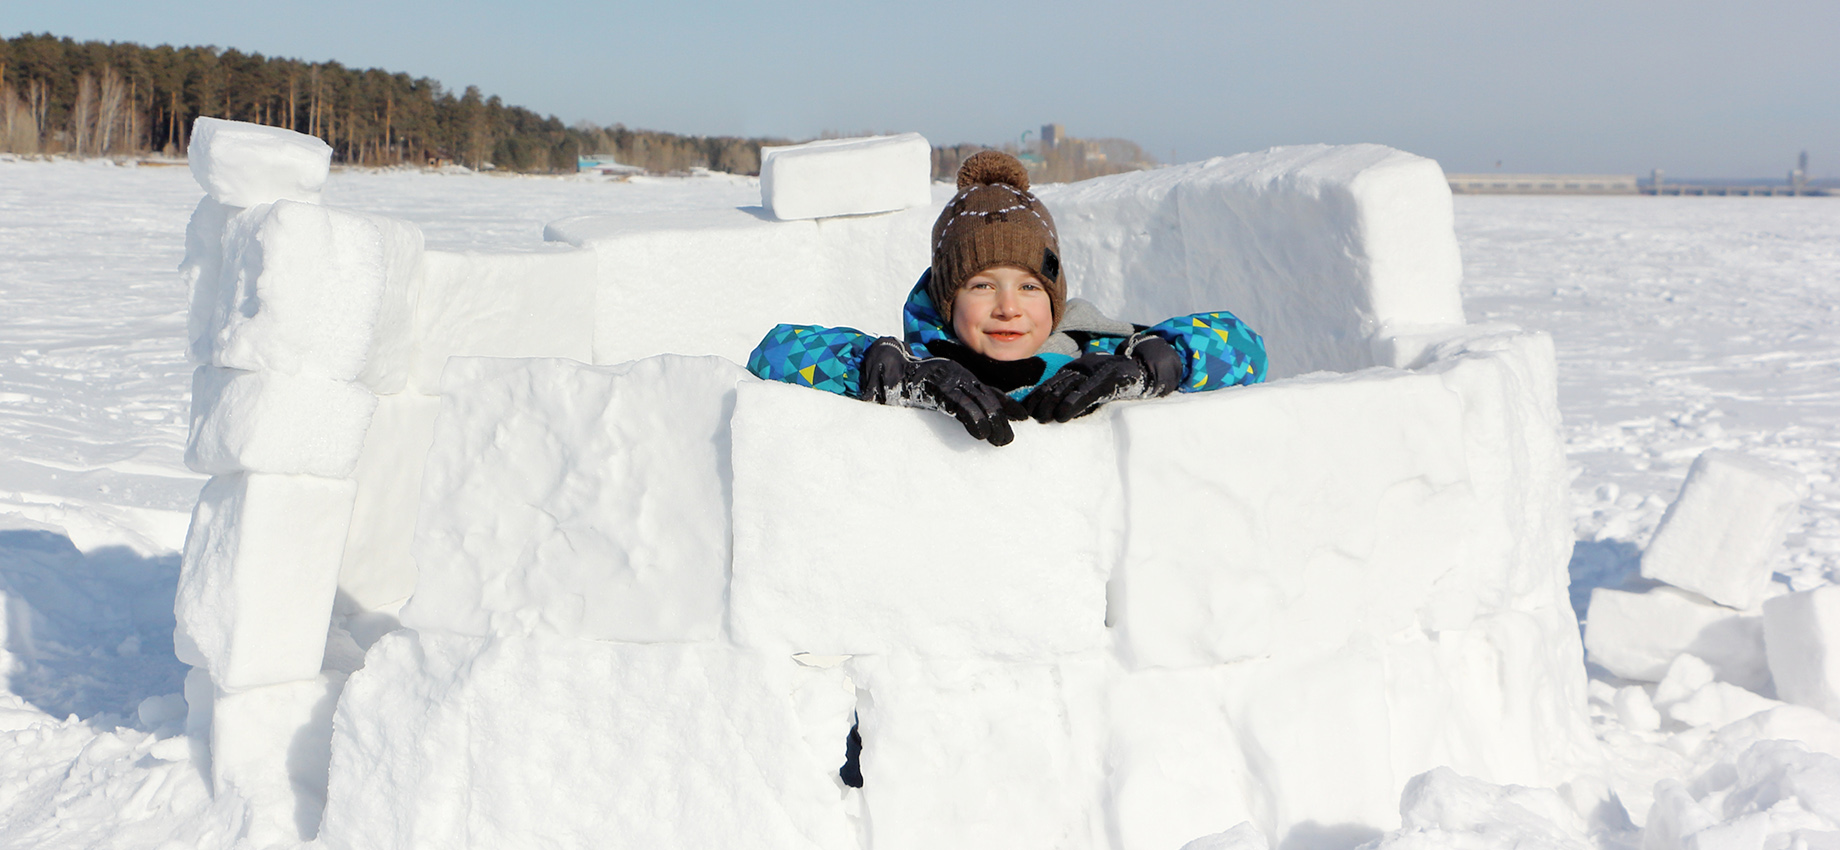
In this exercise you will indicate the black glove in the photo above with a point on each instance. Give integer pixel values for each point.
(1149, 368)
(893, 375)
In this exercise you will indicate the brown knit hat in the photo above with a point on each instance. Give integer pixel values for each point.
(994, 221)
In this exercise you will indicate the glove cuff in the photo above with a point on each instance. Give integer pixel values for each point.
(886, 368)
(1162, 364)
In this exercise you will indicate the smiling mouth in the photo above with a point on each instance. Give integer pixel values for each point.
(1004, 336)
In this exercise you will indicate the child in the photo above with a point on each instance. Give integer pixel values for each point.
(991, 336)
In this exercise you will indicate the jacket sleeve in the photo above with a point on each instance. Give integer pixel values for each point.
(1217, 349)
(828, 359)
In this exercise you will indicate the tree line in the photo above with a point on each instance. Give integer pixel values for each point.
(60, 96)
(92, 98)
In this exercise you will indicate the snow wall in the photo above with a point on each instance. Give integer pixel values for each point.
(646, 595)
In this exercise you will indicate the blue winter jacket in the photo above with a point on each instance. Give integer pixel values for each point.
(1217, 348)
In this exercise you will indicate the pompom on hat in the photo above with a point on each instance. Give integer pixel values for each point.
(994, 221)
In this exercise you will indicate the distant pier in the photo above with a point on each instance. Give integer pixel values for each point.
(1629, 184)
(1543, 184)
(1733, 189)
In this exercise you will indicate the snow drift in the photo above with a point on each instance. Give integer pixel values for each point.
(647, 594)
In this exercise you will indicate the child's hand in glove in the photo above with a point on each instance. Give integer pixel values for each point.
(1150, 369)
(893, 375)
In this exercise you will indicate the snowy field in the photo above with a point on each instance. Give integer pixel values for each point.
(1681, 324)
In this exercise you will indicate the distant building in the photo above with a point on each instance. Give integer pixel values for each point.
(1542, 184)
(1052, 135)
(605, 164)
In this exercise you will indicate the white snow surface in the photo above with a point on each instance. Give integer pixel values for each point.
(1680, 324)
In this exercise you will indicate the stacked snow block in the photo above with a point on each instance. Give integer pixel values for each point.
(298, 312)
(835, 177)
(574, 569)
(319, 335)
(967, 584)
(669, 589)
(530, 304)
(1329, 604)
(1713, 553)
(1129, 631)
(1345, 253)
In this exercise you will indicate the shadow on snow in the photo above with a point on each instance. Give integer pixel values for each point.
(87, 633)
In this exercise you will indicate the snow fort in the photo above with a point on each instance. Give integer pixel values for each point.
(505, 550)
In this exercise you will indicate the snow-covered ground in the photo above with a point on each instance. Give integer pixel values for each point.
(1681, 324)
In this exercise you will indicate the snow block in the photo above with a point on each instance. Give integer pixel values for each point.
(310, 290)
(1332, 249)
(377, 568)
(257, 582)
(242, 164)
(961, 753)
(835, 177)
(1637, 635)
(581, 500)
(1719, 535)
(1314, 748)
(934, 553)
(730, 274)
(271, 422)
(1346, 518)
(202, 271)
(455, 742)
(1801, 633)
(270, 746)
(1174, 764)
(504, 305)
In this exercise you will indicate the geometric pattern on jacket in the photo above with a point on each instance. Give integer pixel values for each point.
(829, 359)
(1217, 349)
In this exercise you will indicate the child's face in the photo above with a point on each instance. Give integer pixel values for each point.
(1003, 313)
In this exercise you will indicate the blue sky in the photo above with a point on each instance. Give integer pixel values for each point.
(1701, 89)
